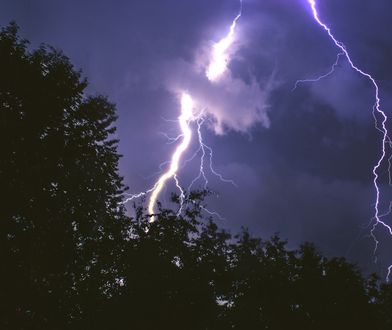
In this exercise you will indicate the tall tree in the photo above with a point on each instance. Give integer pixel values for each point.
(61, 225)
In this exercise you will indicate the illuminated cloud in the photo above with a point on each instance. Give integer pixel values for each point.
(231, 103)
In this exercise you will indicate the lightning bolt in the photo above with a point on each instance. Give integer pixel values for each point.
(218, 65)
(220, 55)
(376, 109)
(330, 72)
(186, 116)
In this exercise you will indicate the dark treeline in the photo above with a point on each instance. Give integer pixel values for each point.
(72, 259)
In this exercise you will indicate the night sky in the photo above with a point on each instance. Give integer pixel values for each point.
(302, 160)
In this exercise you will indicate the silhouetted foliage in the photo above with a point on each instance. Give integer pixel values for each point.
(72, 259)
(60, 219)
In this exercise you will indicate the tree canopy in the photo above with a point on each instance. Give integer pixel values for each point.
(61, 223)
(73, 259)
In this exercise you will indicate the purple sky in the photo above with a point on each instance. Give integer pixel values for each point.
(302, 159)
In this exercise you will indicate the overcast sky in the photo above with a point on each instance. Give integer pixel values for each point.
(302, 160)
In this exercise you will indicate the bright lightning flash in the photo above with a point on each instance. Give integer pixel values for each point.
(376, 109)
(185, 117)
(220, 55)
(215, 70)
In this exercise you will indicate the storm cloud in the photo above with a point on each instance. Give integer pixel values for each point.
(302, 159)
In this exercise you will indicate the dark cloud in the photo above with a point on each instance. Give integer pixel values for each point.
(308, 175)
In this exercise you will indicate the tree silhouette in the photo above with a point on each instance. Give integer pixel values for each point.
(60, 221)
